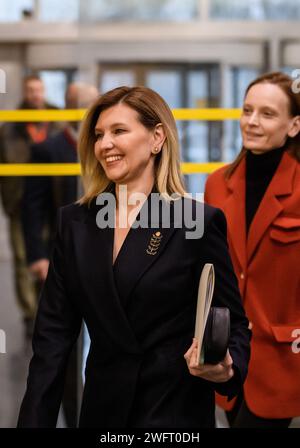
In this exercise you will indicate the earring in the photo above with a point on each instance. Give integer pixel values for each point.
(156, 150)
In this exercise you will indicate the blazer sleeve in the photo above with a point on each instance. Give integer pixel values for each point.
(226, 294)
(57, 327)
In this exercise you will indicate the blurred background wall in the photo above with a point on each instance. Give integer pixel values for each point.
(196, 53)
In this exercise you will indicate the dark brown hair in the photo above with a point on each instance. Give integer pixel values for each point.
(284, 82)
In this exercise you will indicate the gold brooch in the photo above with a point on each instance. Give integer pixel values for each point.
(154, 243)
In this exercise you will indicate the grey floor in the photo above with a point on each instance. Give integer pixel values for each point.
(14, 363)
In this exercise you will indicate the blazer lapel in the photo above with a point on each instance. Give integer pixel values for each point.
(270, 206)
(94, 254)
(141, 249)
(234, 209)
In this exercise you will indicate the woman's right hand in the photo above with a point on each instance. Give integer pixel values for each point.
(39, 269)
(218, 373)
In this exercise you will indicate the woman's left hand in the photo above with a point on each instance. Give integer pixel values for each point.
(218, 373)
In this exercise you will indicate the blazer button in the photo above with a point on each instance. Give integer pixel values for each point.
(242, 276)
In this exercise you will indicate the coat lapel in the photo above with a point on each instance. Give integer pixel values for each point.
(94, 248)
(270, 206)
(234, 209)
(141, 249)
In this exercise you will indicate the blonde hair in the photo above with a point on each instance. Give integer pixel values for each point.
(152, 110)
(284, 82)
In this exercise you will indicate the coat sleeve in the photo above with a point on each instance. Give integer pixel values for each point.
(57, 327)
(226, 294)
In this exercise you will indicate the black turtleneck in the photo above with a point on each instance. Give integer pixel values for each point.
(260, 168)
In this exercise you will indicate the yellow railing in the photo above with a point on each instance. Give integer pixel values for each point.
(71, 169)
(78, 114)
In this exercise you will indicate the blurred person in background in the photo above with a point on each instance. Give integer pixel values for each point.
(260, 196)
(43, 196)
(15, 142)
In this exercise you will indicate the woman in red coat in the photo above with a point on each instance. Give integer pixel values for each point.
(260, 196)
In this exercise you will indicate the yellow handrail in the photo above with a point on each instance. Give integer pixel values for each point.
(78, 114)
(73, 169)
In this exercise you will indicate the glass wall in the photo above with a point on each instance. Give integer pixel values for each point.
(112, 78)
(100, 10)
(255, 10)
(58, 10)
(56, 82)
(14, 10)
(148, 10)
(133, 10)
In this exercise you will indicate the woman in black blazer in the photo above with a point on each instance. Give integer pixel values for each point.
(133, 276)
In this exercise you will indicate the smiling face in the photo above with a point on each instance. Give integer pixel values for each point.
(124, 147)
(266, 121)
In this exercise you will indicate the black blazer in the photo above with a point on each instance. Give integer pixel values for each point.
(140, 315)
(43, 195)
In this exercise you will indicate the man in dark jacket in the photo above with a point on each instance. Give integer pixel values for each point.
(44, 195)
(15, 142)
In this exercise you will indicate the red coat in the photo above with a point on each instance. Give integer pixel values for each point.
(267, 265)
